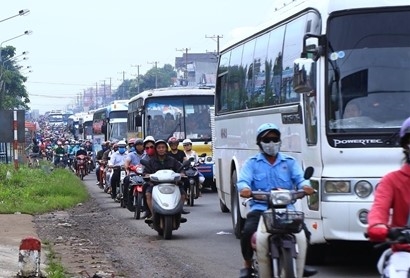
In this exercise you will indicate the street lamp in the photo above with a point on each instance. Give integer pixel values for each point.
(21, 12)
(15, 57)
(1, 44)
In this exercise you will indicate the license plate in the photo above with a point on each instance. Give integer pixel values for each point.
(122, 175)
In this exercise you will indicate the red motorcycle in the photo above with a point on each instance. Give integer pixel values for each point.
(101, 173)
(135, 200)
(81, 170)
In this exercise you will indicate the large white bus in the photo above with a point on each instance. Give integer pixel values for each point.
(181, 112)
(110, 123)
(343, 52)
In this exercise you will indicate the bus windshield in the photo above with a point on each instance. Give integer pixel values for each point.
(187, 117)
(368, 71)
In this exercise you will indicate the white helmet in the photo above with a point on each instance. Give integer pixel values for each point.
(121, 144)
(187, 141)
(149, 138)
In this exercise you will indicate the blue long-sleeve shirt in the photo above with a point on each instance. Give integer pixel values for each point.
(259, 174)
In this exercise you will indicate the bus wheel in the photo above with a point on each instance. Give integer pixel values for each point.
(237, 221)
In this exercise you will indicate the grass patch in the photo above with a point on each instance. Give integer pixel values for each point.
(54, 268)
(37, 191)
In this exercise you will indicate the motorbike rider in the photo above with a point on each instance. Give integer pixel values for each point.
(59, 151)
(267, 170)
(99, 158)
(117, 159)
(179, 155)
(161, 161)
(133, 158)
(81, 151)
(149, 147)
(35, 150)
(189, 152)
(391, 205)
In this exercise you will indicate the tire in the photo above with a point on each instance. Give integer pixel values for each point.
(237, 221)
(167, 227)
(191, 194)
(82, 174)
(287, 263)
(138, 206)
(224, 208)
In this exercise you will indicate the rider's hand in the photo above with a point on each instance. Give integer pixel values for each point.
(378, 232)
(308, 190)
(246, 193)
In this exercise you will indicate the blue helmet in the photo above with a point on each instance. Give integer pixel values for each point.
(265, 128)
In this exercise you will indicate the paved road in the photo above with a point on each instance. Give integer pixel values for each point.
(207, 238)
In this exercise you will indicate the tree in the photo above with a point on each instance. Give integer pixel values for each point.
(13, 93)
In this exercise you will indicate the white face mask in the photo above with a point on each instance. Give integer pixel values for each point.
(270, 148)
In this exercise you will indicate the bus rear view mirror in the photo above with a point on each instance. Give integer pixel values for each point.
(304, 75)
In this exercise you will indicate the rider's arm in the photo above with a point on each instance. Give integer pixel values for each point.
(297, 176)
(245, 179)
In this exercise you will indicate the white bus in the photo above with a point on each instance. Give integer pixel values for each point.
(110, 123)
(181, 112)
(353, 52)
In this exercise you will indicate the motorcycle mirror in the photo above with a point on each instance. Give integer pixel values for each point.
(308, 173)
(191, 158)
(203, 155)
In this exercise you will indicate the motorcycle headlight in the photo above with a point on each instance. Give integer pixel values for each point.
(191, 181)
(363, 189)
(281, 197)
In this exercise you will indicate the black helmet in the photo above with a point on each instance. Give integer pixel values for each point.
(161, 142)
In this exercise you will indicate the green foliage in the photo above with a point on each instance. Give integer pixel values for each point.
(13, 93)
(34, 191)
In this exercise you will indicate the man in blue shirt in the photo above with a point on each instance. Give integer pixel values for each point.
(264, 171)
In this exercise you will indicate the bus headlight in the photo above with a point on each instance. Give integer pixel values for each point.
(363, 189)
(337, 187)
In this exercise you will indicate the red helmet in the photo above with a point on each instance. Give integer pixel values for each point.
(131, 141)
(173, 140)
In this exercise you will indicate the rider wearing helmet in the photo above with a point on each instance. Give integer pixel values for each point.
(179, 155)
(149, 146)
(117, 159)
(59, 151)
(392, 198)
(161, 161)
(189, 152)
(264, 172)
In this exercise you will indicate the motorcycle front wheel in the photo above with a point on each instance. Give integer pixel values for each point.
(191, 194)
(138, 205)
(167, 227)
(287, 263)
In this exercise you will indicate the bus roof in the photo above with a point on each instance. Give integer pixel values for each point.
(286, 9)
(173, 91)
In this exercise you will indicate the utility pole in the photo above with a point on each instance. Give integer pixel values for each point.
(217, 37)
(123, 86)
(138, 77)
(186, 61)
(104, 99)
(156, 72)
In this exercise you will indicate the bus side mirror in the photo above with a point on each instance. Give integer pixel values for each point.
(304, 75)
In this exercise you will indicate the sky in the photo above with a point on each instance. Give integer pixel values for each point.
(78, 44)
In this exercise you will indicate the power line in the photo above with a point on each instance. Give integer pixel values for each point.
(51, 83)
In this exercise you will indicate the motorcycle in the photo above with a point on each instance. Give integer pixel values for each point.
(120, 191)
(192, 175)
(135, 195)
(394, 264)
(49, 153)
(90, 164)
(102, 165)
(70, 161)
(81, 166)
(60, 161)
(166, 202)
(274, 242)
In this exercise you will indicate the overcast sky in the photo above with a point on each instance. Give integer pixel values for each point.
(78, 43)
